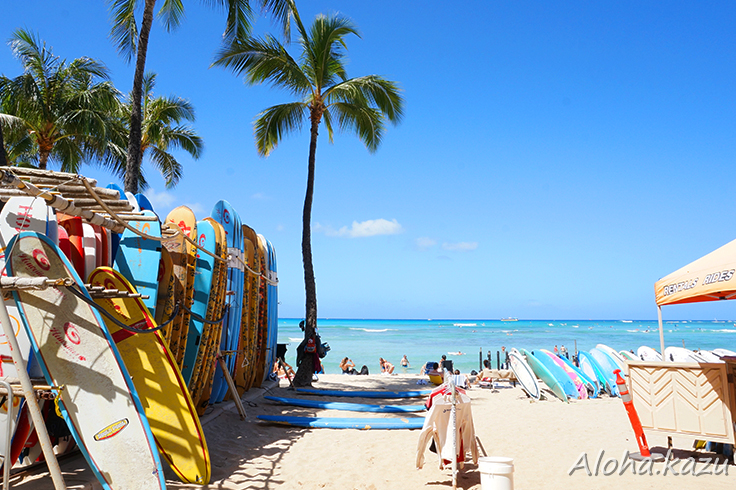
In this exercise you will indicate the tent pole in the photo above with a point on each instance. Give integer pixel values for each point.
(661, 332)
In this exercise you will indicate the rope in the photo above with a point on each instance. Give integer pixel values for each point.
(200, 319)
(117, 322)
(176, 230)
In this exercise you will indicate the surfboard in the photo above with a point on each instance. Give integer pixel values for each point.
(246, 361)
(224, 214)
(165, 302)
(366, 394)
(724, 352)
(156, 376)
(593, 370)
(709, 356)
(646, 353)
(562, 377)
(143, 202)
(115, 237)
(203, 385)
(628, 355)
(98, 401)
(89, 246)
(203, 277)
(52, 227)
(543, 373)
(615, 356)
(262, 323)
(352, 407)
(182, 253)
(138, 258)
(608, 366)
(73, 227)
(133, 202)
(577, 381)
(590, 385)
(524, 374)
(273, 304)
(345, 423)
(681, 354)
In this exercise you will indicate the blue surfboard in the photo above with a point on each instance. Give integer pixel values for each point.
(590, 385)
(143, 202)
(560, 375)
(366, 394)
(608, 366)
(594, 371)
(224, 214)
(352, 407)
(273, 300)
(346, 423)
(115, 237)
(203, 275)
(138, 258)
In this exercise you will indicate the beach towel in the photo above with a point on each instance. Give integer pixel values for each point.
(437, 429)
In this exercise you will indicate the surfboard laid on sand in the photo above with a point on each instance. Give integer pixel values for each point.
(366, 394)
(524, 374)
(98, 400)
(161, 388)
(541, 371)
(352, 407)
(345, 423)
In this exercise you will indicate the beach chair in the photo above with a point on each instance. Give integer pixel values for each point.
(435, 379)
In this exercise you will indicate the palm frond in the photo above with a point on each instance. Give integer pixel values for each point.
(263, 60)
(374, 90)
(124, 30)
(274, 122)
(171, 14)
(367, 123)
(165, 163)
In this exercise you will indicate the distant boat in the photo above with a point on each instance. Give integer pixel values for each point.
(626, 321)
(510, 319)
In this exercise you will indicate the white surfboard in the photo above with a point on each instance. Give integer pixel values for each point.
(617, 358)
(723, 352)
(709, 356)
(681, 354)
(524, 374)
(648, 354)
(98, 400)
(89, 242)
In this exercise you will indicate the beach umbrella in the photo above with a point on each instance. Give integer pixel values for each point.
(710, 278)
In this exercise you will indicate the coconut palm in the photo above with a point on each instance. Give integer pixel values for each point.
(131, 42)
(64, 110)
(360, 105)
(161, 131)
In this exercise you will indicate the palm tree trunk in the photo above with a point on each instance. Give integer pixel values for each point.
(306, 368)
(3, 155)
(132, 167)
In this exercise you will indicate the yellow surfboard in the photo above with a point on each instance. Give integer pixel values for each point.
(166, 294)
(245, 372)
(184, 259)
(156, 376)
(262, 334)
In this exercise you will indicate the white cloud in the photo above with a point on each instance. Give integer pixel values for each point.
(460, 246)
(371, 227)
(259, 196)
(423, 243)
(160, 200)
(196, 208)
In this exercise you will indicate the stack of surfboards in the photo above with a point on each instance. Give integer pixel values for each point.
(138, 378)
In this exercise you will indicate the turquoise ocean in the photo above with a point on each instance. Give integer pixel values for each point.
(364, 341)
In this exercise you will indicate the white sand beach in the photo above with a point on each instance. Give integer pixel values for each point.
(545, 439)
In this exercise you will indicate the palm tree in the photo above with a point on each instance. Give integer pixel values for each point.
(161, 131)
(131, 42)
(57, 110)
(361, 105)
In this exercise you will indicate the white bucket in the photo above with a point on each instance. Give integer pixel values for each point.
(496, 473)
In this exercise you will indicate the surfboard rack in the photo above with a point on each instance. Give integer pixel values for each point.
(101, 292)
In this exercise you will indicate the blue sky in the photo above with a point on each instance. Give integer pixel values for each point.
(555, 159)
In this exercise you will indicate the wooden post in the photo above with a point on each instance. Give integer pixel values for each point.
(231, 385)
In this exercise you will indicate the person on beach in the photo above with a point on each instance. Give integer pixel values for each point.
(435, 370)
(485, 375)
(557, 353)
(386, 367)
(405, 362)
(348, 366)
(461, 380)
(563, 352)
(283, 369)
